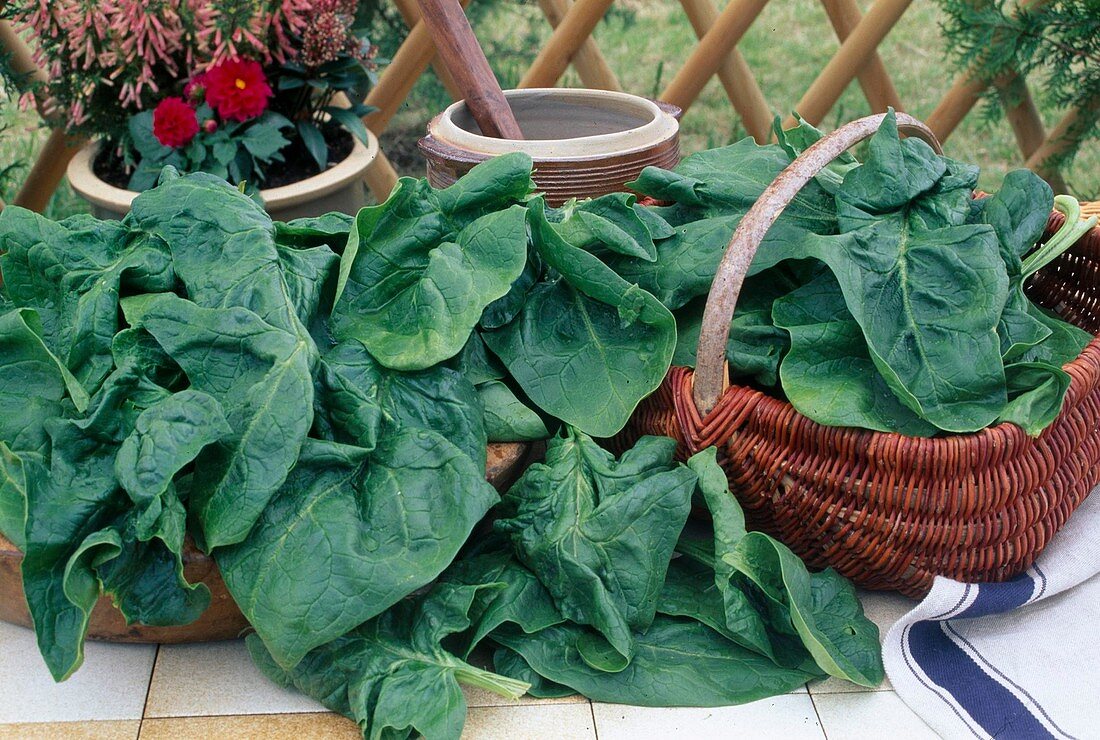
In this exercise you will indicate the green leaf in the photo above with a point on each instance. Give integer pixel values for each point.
(392, 675)
(314, 142)
(261, 376)
(614, 223)
(264, 138)
(1037, 391)
(822, 608)
(74, 272)
(355, 390)
(588, 347)
(35, 384)
(370, 527)
(828, 374)
(727, 181)
(600, 532)
(676, 663)
(167, 436)
(349, 120)
(413, 295)
(13, 491)
(507, 419)
(66, 510)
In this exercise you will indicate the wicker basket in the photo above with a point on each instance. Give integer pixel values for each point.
(888, 511)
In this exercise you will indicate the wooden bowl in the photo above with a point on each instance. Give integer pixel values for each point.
(222, 620)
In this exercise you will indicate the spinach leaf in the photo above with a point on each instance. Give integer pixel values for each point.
(421, 268)
(613, 223)
(73, 272)
(329, 230)
(261, 376)
(392, 675)
(370, 527)
(205, 221)
(588, 347)
(14, 474)
(36, 385)
(685, 261)
(677, 662)
(355, 389)
(728, 180)
(828, 374)
(507, 419)
(773, 604)
(65, 509)
(601, 531)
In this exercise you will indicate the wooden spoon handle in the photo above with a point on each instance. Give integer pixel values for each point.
(462, 55)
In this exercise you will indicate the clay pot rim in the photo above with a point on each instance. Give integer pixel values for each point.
(91, 188)
(661, 127)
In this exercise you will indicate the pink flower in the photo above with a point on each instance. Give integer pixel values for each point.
(174, 122)
(237, 89)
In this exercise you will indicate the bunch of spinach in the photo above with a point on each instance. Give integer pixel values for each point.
(592, 584)
(310, 402)
(885, 297)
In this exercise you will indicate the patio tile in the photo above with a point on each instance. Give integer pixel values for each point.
(110, 730)
(883, 609)
(217, 678)
(869, 716)
(541, 722)
(111, 685)
(790, 717)
(312, 726)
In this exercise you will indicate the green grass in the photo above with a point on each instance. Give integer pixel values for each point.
(646, 41)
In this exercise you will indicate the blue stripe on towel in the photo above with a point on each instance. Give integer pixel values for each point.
(998, 598)
(990, 704)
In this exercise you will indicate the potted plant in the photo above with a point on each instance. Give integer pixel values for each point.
(258, 93)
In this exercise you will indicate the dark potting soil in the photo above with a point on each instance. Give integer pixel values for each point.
(298, 164)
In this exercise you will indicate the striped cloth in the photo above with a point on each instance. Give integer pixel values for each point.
(1019, 659)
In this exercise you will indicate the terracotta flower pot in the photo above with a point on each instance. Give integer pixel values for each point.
(339, 188)
(585, 143)
(222, 620)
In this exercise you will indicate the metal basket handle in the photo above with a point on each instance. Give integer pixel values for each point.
(711, 376)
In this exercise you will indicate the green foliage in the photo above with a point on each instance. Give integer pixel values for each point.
(1055, 45)
(238, 152)
(888, 297)
(312, 403)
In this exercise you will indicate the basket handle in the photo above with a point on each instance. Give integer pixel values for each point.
(711, 377)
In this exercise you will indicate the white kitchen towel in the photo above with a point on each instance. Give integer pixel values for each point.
(1019, 659)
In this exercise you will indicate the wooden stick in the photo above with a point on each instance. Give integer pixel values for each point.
(44, 177)
(461, 53)
(955, 104)
(410, 61)
(877, 86)
(589, 61)
(1063, 137)
(575, 27)
(853, 54)
(704, 62)
(381, 177)
(410, 13)
(734, 73)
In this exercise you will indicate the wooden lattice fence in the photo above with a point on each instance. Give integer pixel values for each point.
(719, 33)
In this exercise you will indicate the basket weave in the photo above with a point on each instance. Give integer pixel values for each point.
(891, 512)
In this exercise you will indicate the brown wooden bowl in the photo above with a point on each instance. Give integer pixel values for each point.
(222, 620)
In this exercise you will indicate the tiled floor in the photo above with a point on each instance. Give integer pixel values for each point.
(213, 691)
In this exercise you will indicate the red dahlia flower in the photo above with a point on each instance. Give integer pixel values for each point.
(237, 89)
(174, 122)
